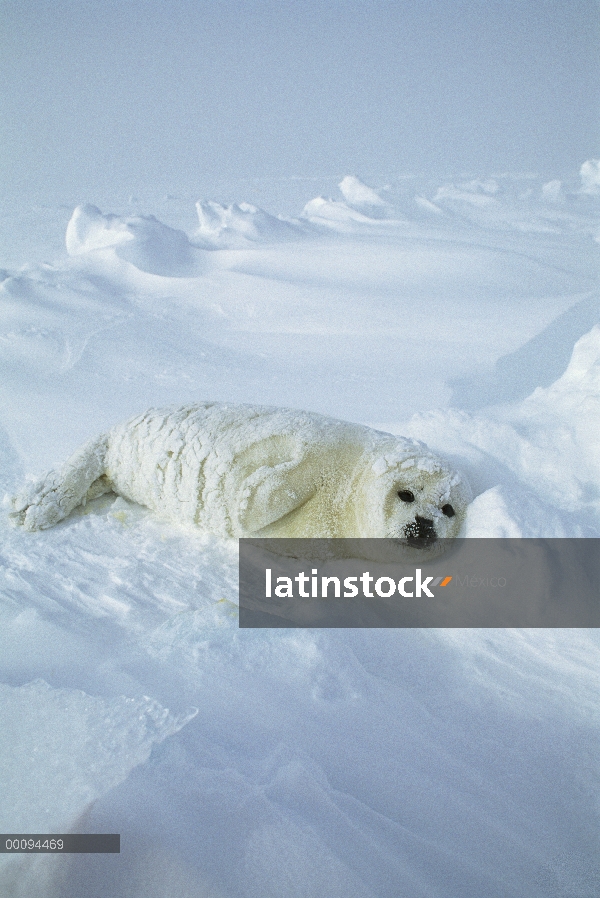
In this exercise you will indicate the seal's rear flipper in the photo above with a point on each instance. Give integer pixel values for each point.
(45, 503)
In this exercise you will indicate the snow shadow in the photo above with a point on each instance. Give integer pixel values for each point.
(538, 363)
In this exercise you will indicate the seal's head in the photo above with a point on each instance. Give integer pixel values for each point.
(411, 496)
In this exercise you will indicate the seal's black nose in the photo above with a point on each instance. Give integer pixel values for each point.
(420, 533)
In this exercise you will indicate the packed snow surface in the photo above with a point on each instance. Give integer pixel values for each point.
(259, 763)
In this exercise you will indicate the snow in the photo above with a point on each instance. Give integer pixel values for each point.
(590, 176)
(108, 738)
(362, 197)
(238, 224)
(463, 312)
(141, 240)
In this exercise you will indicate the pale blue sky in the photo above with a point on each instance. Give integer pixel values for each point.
(120, 96)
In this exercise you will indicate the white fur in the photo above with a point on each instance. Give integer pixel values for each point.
(240, 470)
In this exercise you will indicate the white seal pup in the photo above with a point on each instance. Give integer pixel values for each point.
(255, 471)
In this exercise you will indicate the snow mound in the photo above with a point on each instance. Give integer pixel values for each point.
(141, 240)
(362, 205)
(472, 199)
(333, 213)
(569, 412)
(508, 512)
(552, 191)
(239, 224)
(590, 177)
(507, 202)
(364, 199)
(582, 377)
(532, 458)
(66, 748)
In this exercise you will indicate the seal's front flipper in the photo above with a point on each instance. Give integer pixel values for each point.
(273, 493)
(267, 481)
(52, 498)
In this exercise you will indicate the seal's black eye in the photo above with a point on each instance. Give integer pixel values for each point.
(448, 511)
(407, 496)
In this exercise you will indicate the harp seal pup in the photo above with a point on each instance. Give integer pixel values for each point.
(255, 471)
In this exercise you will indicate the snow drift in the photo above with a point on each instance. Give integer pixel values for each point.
(237, 225)
(142, 240)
